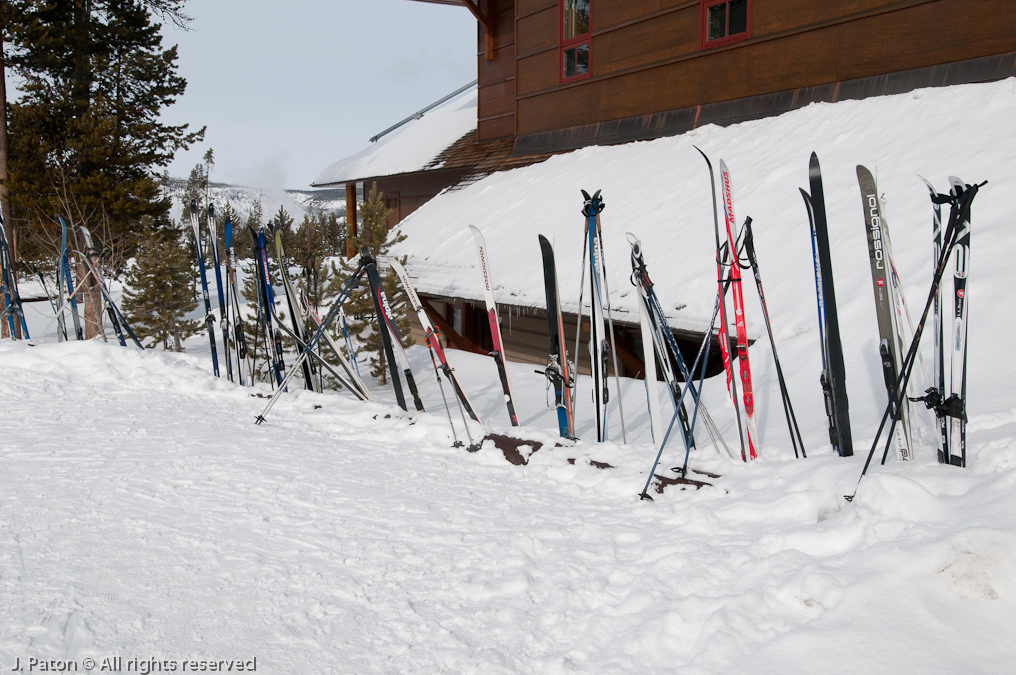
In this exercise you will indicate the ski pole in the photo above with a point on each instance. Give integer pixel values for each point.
(959, 213)
(437, 374)
(350, 285)
(59, 310)
(705, 344)
(788, 408)
(613, 334)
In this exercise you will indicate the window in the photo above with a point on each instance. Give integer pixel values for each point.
(725, 21)
(573, 54)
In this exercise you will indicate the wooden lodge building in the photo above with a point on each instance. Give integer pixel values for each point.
(556, 75)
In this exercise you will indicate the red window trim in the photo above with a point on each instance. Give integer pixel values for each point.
(703, 43)
(577, 41)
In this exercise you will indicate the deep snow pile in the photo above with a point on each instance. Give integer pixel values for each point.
(143, 514)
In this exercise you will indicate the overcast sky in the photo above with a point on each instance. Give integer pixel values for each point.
(286, 89)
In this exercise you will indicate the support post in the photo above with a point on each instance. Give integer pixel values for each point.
(351, 233)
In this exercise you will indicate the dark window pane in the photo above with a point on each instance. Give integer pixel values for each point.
(576, 18)
(738, 17)
(568, 63)
(716, 21)
(582, 59)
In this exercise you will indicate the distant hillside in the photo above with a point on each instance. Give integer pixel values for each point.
(243, 199)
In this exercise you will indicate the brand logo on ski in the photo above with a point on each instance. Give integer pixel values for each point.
(876, 233)
(483, 266)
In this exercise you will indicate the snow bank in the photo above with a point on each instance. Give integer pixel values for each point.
(143, 514)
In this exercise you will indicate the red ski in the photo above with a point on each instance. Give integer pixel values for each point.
(742, 331)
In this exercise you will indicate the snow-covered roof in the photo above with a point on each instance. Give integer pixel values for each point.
(659, 190)
(412, 147)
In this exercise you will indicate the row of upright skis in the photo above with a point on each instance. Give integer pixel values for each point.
(682, 381)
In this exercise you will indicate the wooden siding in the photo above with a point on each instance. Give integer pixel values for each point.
(410, 191)
(646, 56)
(496, 113)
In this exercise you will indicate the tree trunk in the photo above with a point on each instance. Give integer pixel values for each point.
(92, 295)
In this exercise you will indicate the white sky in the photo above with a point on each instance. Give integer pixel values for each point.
(286, 89)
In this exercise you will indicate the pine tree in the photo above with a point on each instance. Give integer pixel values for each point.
(223, 215)
(160, 288)
(333, 234)
(284, 222)
(375, 235)
(85, 136)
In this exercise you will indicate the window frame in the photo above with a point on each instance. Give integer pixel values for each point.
(704, 27)
(564, 45)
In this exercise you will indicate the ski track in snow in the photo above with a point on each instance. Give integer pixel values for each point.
(143, 513)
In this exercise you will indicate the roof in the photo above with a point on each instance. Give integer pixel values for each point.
(659, 190)
(412, 147)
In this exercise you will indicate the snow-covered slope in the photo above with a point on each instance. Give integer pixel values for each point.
(659, 190)
(243, 199)
(143, 514)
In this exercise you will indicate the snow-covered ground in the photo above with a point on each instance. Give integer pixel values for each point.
(143, 514)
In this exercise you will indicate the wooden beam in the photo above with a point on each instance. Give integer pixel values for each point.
(487, 21)
(351, 233)
(480, 16)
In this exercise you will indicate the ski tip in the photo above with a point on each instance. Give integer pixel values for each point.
(211, 210)
(193, 207)
(585, 195)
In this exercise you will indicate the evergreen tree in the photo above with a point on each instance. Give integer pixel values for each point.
(284, 222)
(222, 215)
(375, 235)
(195, 191)
(333, 234)
(86, 137)
(160, 288)
(255, 219)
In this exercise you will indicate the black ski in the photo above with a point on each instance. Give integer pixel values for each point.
(559, 371)
(383, 322)
(833, 378)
